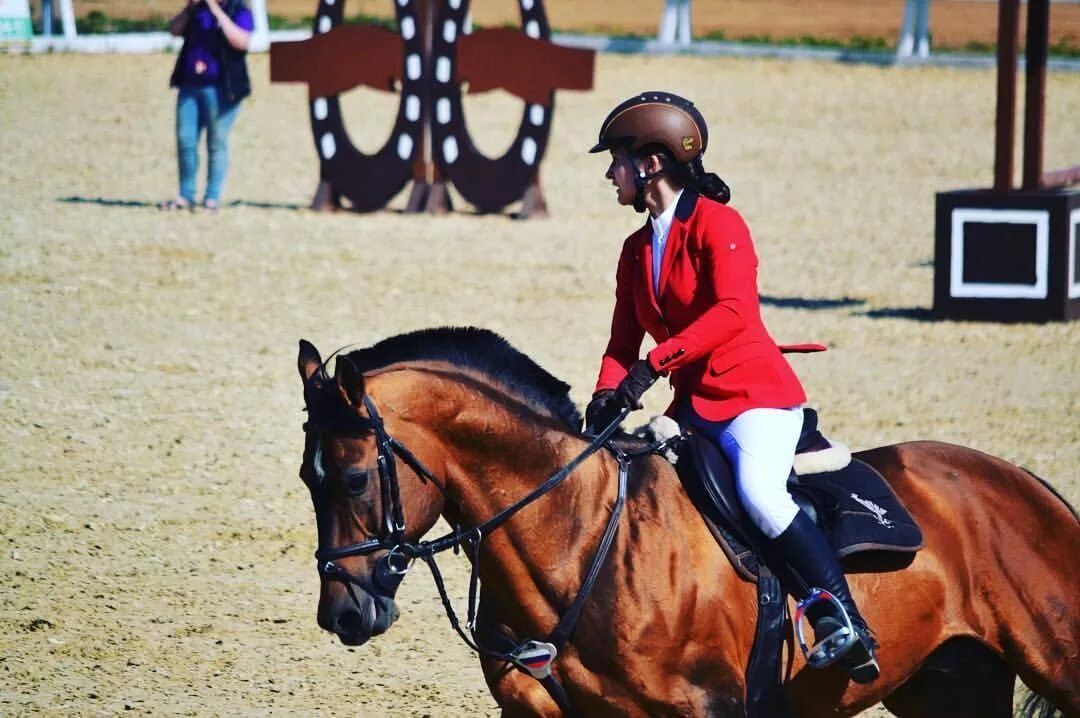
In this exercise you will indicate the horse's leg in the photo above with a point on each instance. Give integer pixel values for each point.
(961, 679)
(518, 695)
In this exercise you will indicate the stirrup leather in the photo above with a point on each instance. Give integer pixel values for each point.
(829, 649)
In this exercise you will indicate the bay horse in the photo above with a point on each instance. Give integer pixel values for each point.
(456, 422)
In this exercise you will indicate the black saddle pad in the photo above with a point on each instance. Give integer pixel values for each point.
(858, 510)
(855, 507)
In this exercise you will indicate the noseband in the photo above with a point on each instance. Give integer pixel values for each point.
(533, 656)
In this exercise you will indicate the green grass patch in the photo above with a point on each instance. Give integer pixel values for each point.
(96, 22)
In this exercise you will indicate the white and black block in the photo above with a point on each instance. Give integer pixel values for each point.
(1007, 256)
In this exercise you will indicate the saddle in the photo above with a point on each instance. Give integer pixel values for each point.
(850, 501)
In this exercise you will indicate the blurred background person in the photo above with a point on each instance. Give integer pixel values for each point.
(211, 78)
(675, 23)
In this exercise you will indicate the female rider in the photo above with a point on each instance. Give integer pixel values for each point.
(688, 277)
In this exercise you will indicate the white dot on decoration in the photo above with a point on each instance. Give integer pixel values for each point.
(402, 3)
(532, 28)
(325, 23)
(328, 2)
(526, 5)
(450, 150)
(455, 4)
(442, 110)
(412, 108)
(442, 69)
(412, 66)
(408, 28)
(404, 146)
(536, 115)
(327, 145)
(731, 246)
(449, 31)
(528, 150)
(318, 107)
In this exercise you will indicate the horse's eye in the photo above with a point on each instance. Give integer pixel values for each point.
(357, 481)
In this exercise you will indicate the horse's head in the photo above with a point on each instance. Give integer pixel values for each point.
(360, 479)
(461, 398)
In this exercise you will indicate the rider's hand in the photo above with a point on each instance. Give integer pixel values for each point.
(601, 411)
(637, 381)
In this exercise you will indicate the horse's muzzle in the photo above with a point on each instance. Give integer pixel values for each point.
(356, 616)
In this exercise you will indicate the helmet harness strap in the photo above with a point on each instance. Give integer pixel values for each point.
(642, 178)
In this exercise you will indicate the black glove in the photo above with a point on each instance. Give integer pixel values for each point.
(640, 378)
(601, 411)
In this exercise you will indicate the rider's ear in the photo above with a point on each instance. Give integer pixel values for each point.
(350, 380)
(309, 361)
(655, 163)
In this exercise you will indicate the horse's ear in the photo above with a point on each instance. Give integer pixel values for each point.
(350, 380)
(309, 361)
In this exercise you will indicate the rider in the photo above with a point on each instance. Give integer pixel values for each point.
(688, 277)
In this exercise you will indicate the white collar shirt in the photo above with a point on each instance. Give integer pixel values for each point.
(661, 226)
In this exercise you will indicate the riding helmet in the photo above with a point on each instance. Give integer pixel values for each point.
(660, 118)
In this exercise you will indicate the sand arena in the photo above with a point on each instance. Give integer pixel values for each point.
(156, 540)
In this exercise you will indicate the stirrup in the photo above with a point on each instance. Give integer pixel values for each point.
(828, 650)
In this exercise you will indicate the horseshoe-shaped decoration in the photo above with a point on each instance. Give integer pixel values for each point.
(529, 67)
(339, 57)
(430, 58)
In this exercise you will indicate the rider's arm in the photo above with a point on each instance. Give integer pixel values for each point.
(626, 332)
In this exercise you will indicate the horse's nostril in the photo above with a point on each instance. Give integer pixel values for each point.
(350, 623)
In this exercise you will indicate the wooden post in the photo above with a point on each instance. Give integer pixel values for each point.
(1005, 126)
(1038, 30)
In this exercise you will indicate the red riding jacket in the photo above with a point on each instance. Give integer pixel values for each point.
(707, 319)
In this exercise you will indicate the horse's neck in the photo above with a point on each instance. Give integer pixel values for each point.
(494, 453)
(495, 457)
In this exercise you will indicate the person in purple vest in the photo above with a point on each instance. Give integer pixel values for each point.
(211, 78)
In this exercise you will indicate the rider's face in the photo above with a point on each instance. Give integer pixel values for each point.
(621, 172)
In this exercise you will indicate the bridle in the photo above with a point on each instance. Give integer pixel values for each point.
(392, 567)
(533, 656)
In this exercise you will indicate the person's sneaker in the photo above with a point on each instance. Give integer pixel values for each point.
(211, 205)
(175, 204)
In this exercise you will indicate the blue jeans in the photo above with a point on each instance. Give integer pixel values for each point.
(198, 108)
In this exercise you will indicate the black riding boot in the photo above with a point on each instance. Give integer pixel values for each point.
(809, 556)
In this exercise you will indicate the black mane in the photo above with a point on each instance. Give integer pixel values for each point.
(481, 350)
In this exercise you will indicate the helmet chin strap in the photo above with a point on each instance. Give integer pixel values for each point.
(641, 179)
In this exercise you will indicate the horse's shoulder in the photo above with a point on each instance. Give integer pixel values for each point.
(655, 489)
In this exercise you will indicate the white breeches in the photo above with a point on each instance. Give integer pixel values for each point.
(760, 444)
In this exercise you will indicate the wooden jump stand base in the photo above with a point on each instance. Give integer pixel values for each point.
(432, 198)
(326, 199)
(429, 197)
(1007, 255)
(532, 204)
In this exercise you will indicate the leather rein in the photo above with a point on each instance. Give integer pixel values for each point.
(533, 656)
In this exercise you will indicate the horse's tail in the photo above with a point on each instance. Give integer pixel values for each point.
(1035, 706)
(1052, 490)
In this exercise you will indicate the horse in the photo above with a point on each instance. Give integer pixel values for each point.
(455, 422)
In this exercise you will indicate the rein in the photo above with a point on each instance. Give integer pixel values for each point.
(533, 656)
